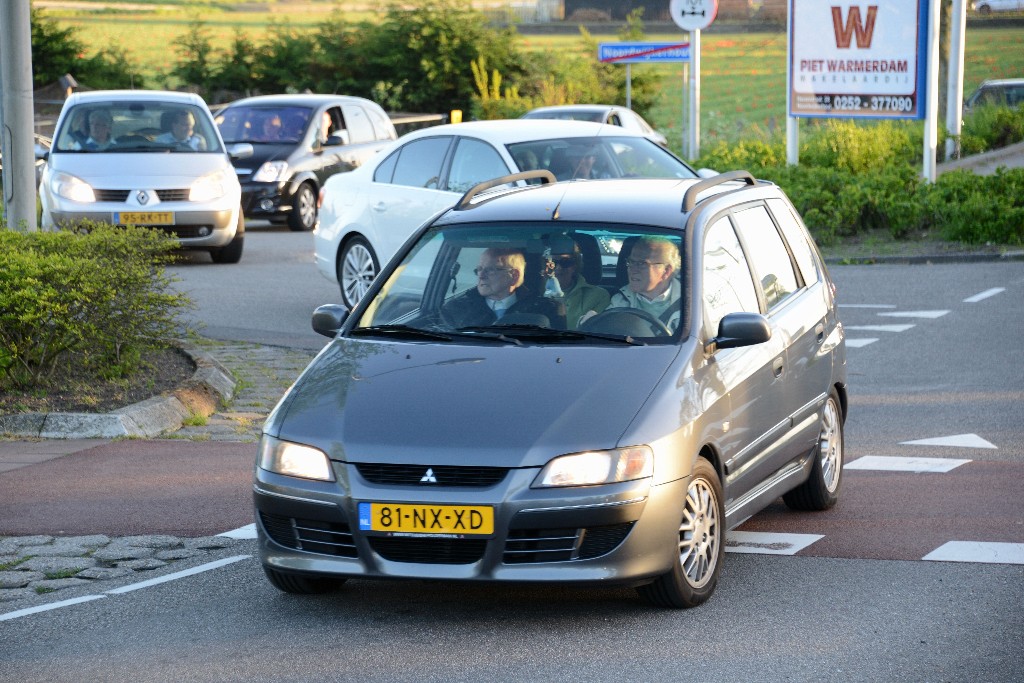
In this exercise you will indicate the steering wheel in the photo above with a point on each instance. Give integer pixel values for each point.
(614, 323)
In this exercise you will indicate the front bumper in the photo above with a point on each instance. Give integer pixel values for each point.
(198, 229)
(266, 200)
(621, 533)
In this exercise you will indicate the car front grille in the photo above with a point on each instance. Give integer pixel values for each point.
(122, 195)
(525, 546)
(325, 538)
(429, 550)
(443, 475)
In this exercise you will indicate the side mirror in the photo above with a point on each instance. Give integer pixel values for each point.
(706, 173)
(240, 150)
(740, 329)
(337, 138)
(328, 319)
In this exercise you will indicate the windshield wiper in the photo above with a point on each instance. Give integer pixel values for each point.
(398, 331)
(541, 332)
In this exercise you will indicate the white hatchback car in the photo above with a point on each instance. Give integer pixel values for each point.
(147, 158)
(612, 114)
(368, 213)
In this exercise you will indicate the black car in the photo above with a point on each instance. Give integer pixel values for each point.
(299, 141)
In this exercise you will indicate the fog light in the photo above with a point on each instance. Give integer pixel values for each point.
(204, 231)
(266, 204)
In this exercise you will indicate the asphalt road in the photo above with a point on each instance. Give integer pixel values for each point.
(936, 383)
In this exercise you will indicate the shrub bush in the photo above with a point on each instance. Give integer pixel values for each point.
(100, 293)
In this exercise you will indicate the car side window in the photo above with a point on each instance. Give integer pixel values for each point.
(419, 162)
(797, 237)
(358, 125)
(381, 124)
(726, 282)
(386, 169)
(474, 161)
(768, 254)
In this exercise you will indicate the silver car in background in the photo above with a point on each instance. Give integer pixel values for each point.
(616, 450)
(146, 158)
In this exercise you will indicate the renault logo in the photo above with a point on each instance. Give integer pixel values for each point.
(142, 196)
(429, 477)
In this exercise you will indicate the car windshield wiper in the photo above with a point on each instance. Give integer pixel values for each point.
(540, 332)
(398, 331)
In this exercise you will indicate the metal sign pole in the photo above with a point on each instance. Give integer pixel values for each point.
(695, 95)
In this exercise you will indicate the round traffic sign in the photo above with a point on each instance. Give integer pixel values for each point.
(693, 15)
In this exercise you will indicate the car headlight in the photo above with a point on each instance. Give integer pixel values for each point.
(73, 188)
(294, 460)
(271, 172)
(597, 467)
(208, 188)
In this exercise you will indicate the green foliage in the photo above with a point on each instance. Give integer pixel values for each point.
(99, 292)
(859, 147)
(988, 128)
(195, 56)
(978, 209)
(57, 51)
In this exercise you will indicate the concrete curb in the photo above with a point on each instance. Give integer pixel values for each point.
(919, 260)
(200, 395)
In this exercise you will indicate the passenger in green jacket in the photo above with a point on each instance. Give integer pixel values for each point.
(581, 299)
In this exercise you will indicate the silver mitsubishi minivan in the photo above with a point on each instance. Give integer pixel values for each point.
(506, 405)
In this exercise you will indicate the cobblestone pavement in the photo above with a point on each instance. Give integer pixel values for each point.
(262, 374)
(31, 566)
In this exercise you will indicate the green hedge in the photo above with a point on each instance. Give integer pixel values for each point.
(99, 295)
(855, 178)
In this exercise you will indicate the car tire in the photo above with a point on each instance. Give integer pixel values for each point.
(821, 490)
(357, 266)
(700, 545)
(304, 212)
(301, 585)
(232, 251)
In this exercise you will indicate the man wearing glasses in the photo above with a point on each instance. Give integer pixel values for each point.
(653, 287)
(500, 293)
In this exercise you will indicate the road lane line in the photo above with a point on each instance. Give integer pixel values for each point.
(767, 543)
(179, 575)
(984, 295)
(978, 551)
(857, 343)
(955, 440)
(53, 605)
(914, 314)
(879, 328)
(867, 305)
(243, 533)
(899, 464)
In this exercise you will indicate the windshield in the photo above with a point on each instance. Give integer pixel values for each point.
(531, 283)
(599, 157)
(278, 124)
(136, 126)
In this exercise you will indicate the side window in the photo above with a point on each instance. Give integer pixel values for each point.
(381, 124)
(615, 120)
(797, 237)
(358, 125)
(419, 162)
(768, 254)
(727, 284)
(386, 170)
(474, 162)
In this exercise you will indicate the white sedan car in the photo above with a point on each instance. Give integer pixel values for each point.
(611, 114)
(367, 214)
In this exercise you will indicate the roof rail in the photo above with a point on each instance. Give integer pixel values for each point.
(543, 174)
(690, 198)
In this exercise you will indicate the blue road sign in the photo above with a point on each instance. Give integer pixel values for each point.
(637, 53)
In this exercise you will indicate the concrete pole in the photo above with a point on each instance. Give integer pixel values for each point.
(955, 83)
(16, 138)
(694, 95)
(931, 111)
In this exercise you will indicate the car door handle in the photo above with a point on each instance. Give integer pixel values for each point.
(777, 366)
(819, 332)
(380, 207)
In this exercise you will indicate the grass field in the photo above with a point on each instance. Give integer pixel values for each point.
(743, 75)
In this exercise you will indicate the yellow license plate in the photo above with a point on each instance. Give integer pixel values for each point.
(405, 518)
(144, 218)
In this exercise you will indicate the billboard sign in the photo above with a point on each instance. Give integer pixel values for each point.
(858, 59)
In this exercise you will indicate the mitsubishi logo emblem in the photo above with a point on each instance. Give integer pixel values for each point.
(429, 477)
(142, 196)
